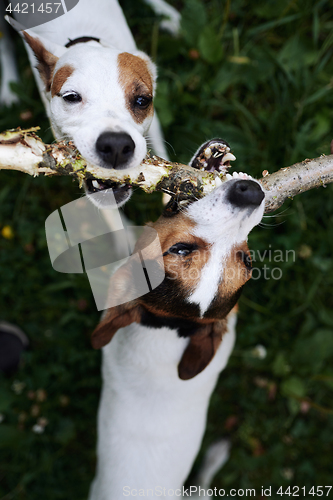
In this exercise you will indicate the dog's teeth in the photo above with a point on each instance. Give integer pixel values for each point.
(218, 182)
(208, 153)
(228, 176)
(235, 175)
(228, 157)
(96, 184)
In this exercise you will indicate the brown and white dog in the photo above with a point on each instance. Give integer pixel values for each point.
(169, 346)
(96, 86)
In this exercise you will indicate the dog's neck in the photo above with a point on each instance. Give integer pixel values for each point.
(184, 327)
(159, 348)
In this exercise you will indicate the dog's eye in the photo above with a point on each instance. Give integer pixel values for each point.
(71, 97)
(142, 102)
(246, 258)
(182, 249)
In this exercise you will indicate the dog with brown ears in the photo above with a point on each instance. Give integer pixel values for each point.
(163, 352)
(97, 87)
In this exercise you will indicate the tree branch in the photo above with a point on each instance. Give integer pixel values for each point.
(296, 179)
(23, 150)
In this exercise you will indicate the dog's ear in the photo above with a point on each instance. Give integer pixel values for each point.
(46, 60)
(124, 307)
(201, 349)
(116, 318)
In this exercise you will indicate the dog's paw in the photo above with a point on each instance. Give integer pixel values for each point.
(213, 156)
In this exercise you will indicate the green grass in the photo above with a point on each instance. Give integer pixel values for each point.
(259, 75)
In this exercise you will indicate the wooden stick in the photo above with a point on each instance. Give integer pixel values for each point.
(296, 179)
(23, 150)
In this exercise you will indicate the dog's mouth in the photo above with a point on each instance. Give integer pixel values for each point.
(121, 191)
(213, 156)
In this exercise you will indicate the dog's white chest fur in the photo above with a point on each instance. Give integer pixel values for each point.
(150, 422)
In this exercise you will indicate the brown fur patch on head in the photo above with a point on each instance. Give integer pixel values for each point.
(136, 80)
(186, 270)
(60, 78)
(182, 273)
(235, 275)
(46, 60)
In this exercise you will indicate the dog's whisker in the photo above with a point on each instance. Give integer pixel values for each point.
(169, 145)
(48, 129)
(266, 226)
(279, 214)
(151, 142)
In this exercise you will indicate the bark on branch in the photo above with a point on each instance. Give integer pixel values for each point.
(23, 150)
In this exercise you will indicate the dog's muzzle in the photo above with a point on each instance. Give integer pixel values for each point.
(115, 149)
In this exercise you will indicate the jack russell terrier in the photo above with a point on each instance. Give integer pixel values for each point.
(97, 87)
(168, 347)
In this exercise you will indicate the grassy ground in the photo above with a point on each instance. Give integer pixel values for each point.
(259, 75)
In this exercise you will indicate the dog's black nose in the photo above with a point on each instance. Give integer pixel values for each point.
(115, 149)
(244, 193)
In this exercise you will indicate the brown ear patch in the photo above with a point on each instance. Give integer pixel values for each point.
(122, 291)
(60, 78)
(136, 80)
(116, 318)
(46, 60)
(235, 275)
(201, 349)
